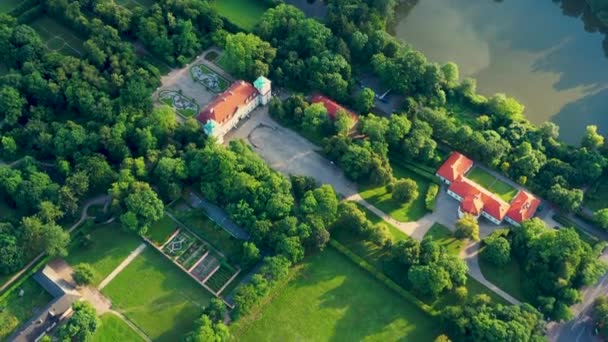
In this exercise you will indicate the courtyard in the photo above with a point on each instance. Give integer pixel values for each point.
(190, 89)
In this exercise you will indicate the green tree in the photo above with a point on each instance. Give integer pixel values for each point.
(136, 202)
(248, 56)
(216, 310)
(343, 123)
(82, 325)
(364, 102)
(450, 74)
(315, 117)
(405, 190)
(505, 109)
(467, 228)
(83, 274)
(601, 217)
(497, 250)
(592, 139)
(251, 253)
(429, 280)
(11, 105)
(207, 331)
(11, 254)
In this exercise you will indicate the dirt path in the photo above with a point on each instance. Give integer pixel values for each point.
(137, 251)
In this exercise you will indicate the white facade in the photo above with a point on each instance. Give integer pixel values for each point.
(483, 212)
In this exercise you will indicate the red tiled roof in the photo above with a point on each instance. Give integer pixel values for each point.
(225, 105)
(455, 166)
(523, 207)
(492, 204)
(332, 107)
(472, 205)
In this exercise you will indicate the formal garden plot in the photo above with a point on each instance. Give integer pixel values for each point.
(493, 184)
(182, 104)
(221, 277)
(57, 37)
(208, 78)
(205, 267)
(192, 254)
(178, 244)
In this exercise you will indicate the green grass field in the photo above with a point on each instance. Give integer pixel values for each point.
(444, 237)
(596, 197)
(160, 231)
(244, 13)
(157, 296)
(8, 5)
(114, 329)
(110, 245)
(381, 199)
(58, 37)
(331, 299)
(494, 185)
(509, 278)
(375, 219)
(15, 310)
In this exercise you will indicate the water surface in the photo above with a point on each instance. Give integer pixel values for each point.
(547, 55)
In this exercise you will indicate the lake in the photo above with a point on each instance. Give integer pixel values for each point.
(544, 54)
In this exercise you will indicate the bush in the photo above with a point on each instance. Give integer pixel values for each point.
(431, 197)
(405, 190)
(83, 274)
(467, 228)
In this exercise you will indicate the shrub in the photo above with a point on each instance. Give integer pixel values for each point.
(83, 274)
(467, 228)
(461, 293)
(431, 197)
(405, 190)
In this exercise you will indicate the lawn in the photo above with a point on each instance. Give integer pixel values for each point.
(110, 245)
(157, 296)
(375, 219)
(114, 329)
(596, 197)
(8, 5)
(509, 278)
(57, 37)
(494, 185)
(445, 238)
(243, 13)
(16, 310)
(330, 298)
(381, 199)
(160, 231)
(221, 62)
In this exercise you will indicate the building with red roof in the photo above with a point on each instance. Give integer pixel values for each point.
(523, 207)
(477, 201)
(332, 107)
(228, 108)
(455, 166)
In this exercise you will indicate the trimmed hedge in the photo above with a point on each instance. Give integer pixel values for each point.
(419, 169)
(431, 197)
(37, 266)
(383, 278)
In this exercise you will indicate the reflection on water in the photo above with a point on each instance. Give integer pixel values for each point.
(549, 56)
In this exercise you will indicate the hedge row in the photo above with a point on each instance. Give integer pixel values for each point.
(419, 169)
(431, 197)
(383, 278)
(37, 266)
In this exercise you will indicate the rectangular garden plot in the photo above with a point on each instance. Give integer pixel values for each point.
(221, 277)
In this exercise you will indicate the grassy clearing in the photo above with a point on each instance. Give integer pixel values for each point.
(375, 219)
(58, 37)
(244, 13)
(445, 238)
(160, 231)
(509, 277)
(381, 199)
(114, 329)
(157, 296)
(596, 197)
(17, 310)
(8, 5)
(110, 245)
(496, 186)
(330, 298)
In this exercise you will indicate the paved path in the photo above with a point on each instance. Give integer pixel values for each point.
(83, 216)
(137, 251)
(289, 153)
